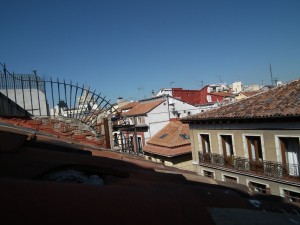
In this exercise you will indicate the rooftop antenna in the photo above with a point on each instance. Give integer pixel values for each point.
(140, 88)
(271, 74)
(220, 79)
(172, 82)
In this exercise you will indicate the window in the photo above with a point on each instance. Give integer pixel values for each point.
(255, 154)
(205, 143)
(131, 119)
(292, 196)
(290, 151)
(227, 146)
(184, 136)
(254, 148)
(230, 179)
(208, 174)
(139, 142)
(257, 187)
(139, 120)
(163, 136)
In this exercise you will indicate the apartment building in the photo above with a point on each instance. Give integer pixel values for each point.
(254, 142)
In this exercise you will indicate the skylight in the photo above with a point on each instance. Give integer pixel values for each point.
(184, 136)
(163, 136)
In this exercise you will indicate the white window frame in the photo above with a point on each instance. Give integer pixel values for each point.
(277, 144)
(220, 142)
(139, 120)
(245, 145)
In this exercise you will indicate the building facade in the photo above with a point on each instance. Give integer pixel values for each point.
(254, 142)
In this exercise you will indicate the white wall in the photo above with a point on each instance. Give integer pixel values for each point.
(27, 100)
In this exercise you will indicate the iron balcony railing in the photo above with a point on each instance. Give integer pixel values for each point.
(31, 95)
(264, 168)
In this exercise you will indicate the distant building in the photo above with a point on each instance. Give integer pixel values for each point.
(237, 87)
(210, 96)
(142, 120)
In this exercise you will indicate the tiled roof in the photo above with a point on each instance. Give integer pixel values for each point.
(170, 141)
(31, 194)
(143, 108)
(130, 105)
(222, 94)
(283, 101)
(169, 152)
(250, 93)
(171, 135)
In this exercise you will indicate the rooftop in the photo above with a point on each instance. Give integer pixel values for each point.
(46, 180)
(143, 108)
(283, 101)
(170, 141)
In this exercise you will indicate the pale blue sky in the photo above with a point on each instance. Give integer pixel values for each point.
(119, 46)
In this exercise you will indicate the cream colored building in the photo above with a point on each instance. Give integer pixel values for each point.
(254, 142)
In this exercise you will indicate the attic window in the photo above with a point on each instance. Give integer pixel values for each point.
(184, 136)
(163, 136)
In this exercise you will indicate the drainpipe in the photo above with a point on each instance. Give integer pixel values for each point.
(168, 107)
(135, 136)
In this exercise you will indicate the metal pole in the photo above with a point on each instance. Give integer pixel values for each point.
(23, 95)
(59, 110)
(75, 100)
(38, 92)
(52, 95)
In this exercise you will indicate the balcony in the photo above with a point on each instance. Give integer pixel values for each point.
(289, 172)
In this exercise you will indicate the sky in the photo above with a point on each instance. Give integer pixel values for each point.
(127, 48)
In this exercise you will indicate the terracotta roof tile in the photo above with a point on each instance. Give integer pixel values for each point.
(283, 101)
(250, 93)
(130, 105)
(170, 137)
(221, 94)
(143, 108)
(169, 152)
(170, 141)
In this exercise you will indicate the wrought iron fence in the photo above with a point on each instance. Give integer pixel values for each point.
(35, 96)
(266, 168)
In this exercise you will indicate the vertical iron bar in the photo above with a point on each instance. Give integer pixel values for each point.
(1, 95)
(95, 109)
(87, 93)
(52, 95)
(14, 82)
(6, 89)
(30, 94)
(23, 95)
(59, 110)
(89, 103)
(70, 98)
(103, 99)
(80, 99)
(38, 92)
(66, 97)
(45, 93)
(75, 100)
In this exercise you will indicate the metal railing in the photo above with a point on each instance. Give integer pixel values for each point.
(35, 96)
(265, 168)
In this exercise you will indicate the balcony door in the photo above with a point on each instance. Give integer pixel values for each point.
(205, 143)
(254, 148)
(227, 145)
(290, 151)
